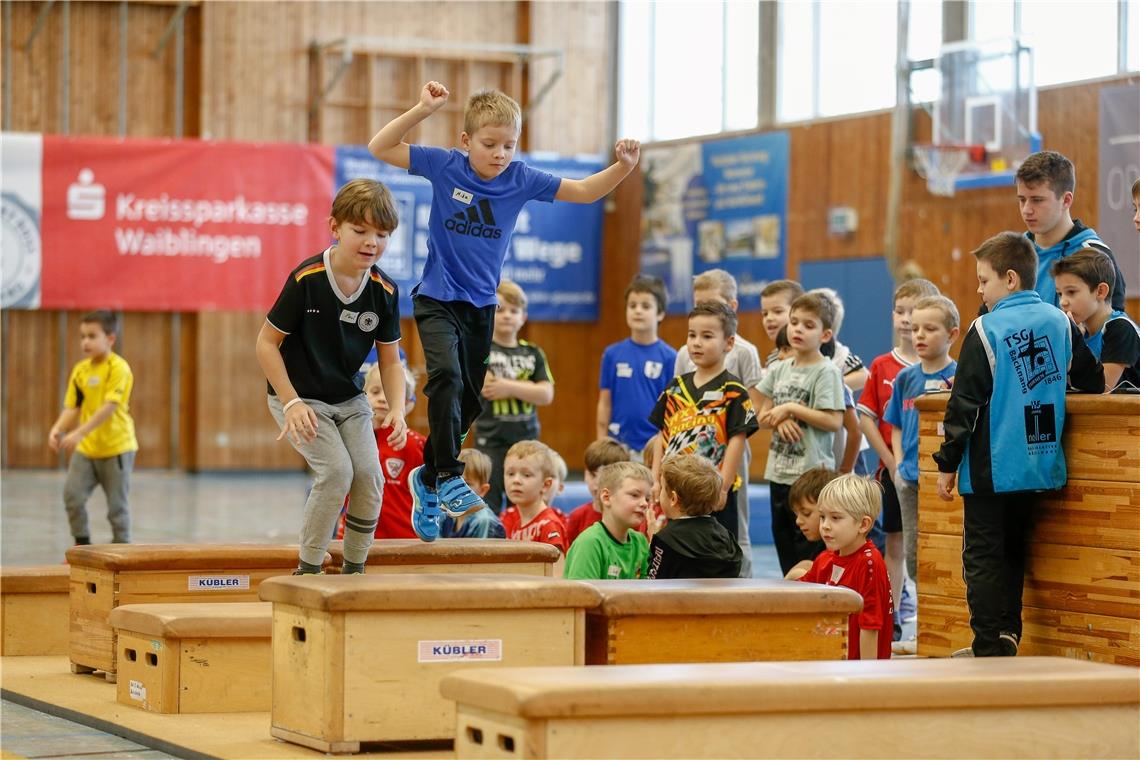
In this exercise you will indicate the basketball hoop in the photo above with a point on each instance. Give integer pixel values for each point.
(940, 165)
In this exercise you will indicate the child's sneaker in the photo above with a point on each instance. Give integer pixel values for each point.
(1009, 641)
(963, 652)
(908, 610)
(906, 646)
(425, 507)
(456, 497)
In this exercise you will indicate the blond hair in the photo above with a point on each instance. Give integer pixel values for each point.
(373, 376)
(950, 318)
(534, 450)
(491, 108)
(916, 288)
(695, 481)
(857, 496)
(719, 280)
(560, 470)
(512, 293)
(476, 465)
(365, 201)
(613, 475)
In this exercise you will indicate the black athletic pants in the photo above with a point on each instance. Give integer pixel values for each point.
(791, 546)
(456, 338)
(993, 565)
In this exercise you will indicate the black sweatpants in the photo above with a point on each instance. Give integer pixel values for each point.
(993, 564)
(456, 338)
(791, 546)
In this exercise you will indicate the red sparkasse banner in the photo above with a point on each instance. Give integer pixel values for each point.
(178, 225)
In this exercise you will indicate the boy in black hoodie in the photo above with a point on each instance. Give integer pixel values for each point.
(692, 544)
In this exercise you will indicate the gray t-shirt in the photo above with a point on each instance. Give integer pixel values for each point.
(818, 386)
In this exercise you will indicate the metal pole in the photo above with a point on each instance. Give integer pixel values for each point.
(767, 81)
(900, 128)
(123, 42)
(1122, 36)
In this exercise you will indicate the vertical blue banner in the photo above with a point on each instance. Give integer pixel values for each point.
(716, 204)
(554, 254)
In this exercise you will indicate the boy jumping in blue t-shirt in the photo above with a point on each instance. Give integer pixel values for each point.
(477, 194)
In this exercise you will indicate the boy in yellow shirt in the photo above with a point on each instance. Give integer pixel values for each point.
(104, 443)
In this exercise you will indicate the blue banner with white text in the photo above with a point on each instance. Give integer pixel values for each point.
(554, 254)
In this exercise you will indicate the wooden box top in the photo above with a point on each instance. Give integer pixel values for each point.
(1117, 405)
(237, 620)
(35, 579)
(474, 551)
(777, 687)
(184, 556)
(343, 593)
(722, 596)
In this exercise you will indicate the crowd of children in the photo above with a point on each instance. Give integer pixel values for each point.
(668, 473)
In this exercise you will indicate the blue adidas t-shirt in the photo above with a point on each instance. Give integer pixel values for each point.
(635, 375)
(911, 383)
(471, 222)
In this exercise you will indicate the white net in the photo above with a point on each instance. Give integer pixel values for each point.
(940, 166)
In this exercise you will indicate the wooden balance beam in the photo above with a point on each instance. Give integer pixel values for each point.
(34, 609)
(717, 620)
(1000, 707)
(359, 658)
(194, 658)
(105, 576)
(453, 555)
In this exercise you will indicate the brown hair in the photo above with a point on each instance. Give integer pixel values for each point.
(106, 320)
(512, 293)
(613, 475)
(365, 201)
(1092, 266)
(695, 481)
(603, 452)
(808, 485)
(916, 288)
(950, 318)
(1050, 167)
(719, 280)
(819, 305)
(716, 309)
(791, 287)
(536, 449)
(654, 286)
(476, 464)
(1010, 250)
(1136, 188)
(491, 108)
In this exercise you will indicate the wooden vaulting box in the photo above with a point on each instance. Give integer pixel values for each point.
(34, 610)
(1026, 707)
(454, 555)
(717, 620)
(194, 658)
(1082, 575)
(359, 658)
(105, 576)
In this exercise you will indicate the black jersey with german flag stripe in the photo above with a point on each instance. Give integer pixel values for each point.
(328, 334)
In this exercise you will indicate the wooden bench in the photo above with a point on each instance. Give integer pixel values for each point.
(359, 658)
(1000, 707)
(717, 620)
(1082, 580)
(204, 657)
(105, 576)
(33, 610)
(453, 555)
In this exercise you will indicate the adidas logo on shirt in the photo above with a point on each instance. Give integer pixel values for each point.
(476, 221)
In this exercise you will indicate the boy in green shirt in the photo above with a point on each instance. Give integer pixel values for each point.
(613, 548)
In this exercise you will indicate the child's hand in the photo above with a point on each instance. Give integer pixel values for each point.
(54, 439)
(789, 431)
(70, 441)
(628, 152)
(778, 414)
(433, 96)
(722, 500)
(300, 424)
(399, 435)
(494, 389)
(653, 522)
(946, 485)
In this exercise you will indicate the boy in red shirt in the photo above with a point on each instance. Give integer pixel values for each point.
(528, 470)
(848, 507)
(396, 501)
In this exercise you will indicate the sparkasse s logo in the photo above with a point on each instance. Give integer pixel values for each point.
(476, 221)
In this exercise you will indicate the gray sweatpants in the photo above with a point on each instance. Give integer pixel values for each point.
(908, 506)
(743, 538)
(344, 460)
(114, 475)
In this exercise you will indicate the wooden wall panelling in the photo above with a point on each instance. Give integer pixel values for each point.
(32, 378)
(36, 72)
(147, 347)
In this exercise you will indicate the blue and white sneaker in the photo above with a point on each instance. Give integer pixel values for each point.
(456, 497)
(425, 508)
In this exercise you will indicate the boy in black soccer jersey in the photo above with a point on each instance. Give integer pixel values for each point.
(334, 307)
